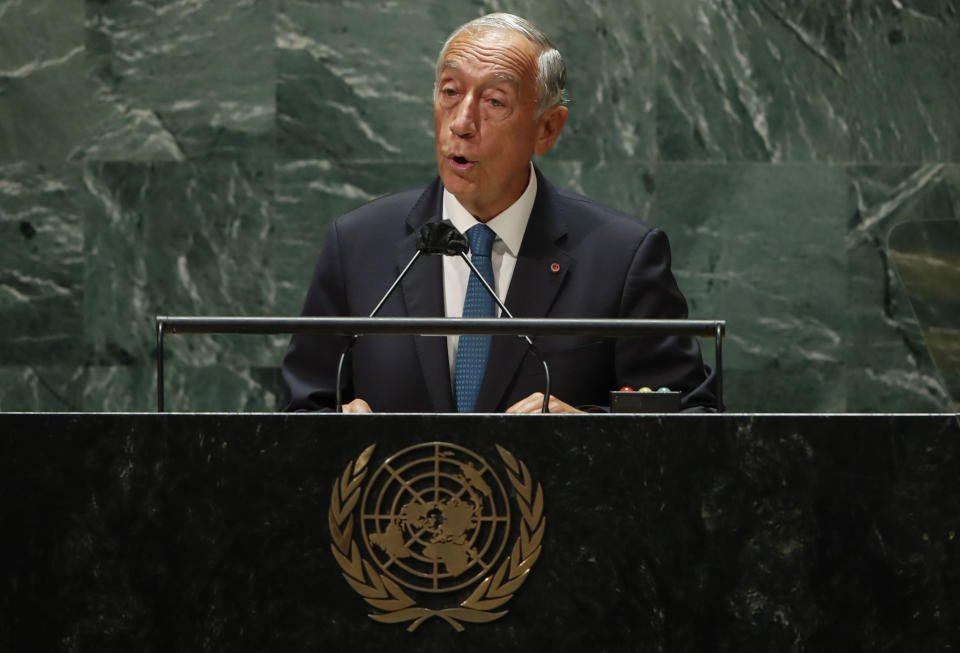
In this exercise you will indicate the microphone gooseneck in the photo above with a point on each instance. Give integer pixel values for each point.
(433, 238)
(373, 313)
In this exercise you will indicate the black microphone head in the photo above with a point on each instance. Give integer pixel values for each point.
(442, 238)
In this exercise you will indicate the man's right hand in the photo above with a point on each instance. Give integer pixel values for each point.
(534, 404)
(357, 406)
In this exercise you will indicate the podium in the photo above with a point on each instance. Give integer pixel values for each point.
(211, 532)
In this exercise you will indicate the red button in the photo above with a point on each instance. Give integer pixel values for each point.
(554, 267)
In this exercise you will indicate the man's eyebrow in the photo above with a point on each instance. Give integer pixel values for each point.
(510, 79)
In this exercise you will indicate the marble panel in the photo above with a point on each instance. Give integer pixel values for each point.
(49, 388)
(345, 92)
(43, 91)
(730, 226)
(184, 80)
(57, 102)
(778, 388)
(889, 366)
(627, 185)
(41, 276)
(212, 388)
(776, 80)
(177, 239)
(133, 388)
(310, 194)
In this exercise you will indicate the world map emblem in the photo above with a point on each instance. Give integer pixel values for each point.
(436, 521)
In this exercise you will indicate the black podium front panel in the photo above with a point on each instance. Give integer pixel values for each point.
(167, 532)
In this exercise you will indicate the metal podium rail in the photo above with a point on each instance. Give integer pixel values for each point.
(440, 326)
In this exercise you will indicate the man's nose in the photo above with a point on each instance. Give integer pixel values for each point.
(464, 123)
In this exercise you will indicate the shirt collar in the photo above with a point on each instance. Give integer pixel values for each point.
(509, 225)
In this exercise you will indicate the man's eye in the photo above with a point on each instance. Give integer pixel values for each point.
(449, 92)
(495, 102)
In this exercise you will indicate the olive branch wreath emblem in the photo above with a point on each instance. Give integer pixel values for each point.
(386, 595)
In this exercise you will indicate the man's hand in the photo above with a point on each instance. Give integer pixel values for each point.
(534, 404)
(357, 406)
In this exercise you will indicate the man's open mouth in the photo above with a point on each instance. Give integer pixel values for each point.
(460, 162)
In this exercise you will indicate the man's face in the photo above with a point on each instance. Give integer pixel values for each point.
(484, 119)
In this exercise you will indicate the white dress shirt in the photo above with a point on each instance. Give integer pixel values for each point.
(509, 226)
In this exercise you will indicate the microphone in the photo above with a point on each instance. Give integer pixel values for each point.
(443, 238)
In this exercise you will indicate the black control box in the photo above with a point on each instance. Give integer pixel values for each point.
(644, 402)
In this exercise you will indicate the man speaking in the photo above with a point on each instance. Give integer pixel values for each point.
(498, 100)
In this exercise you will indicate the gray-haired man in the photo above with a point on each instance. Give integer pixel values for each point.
(498, 100)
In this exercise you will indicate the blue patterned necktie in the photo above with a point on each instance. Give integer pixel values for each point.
(474, 350)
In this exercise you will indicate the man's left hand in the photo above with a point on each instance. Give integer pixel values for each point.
(534, 404)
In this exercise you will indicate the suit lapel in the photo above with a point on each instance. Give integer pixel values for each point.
(533, 289)
(423, 297)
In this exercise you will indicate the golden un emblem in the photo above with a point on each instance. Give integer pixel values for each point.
(434, 521)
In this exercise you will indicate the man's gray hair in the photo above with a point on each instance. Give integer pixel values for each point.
(551, 72)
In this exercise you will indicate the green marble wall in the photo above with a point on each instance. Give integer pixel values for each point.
(185, 157)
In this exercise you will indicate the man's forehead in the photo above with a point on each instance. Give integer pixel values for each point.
(505, 55)
(497, 76)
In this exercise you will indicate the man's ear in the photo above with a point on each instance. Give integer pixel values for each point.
(549, 126)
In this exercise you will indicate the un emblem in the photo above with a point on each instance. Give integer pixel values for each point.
(435, 519)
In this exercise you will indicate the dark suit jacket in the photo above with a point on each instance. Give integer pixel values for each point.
(610, 266)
